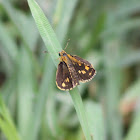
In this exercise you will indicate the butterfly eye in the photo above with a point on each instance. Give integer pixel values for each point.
(59, 54)
(64, 54)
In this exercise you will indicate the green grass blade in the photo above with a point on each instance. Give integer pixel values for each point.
(54, 47)
(7, 42)
(131, 95)
(49, 68)
(134, 133)
(95, 117)
(25, 31)
(113, 86)
(25, 89)
(41, 100)
(79, 107)
(6, 123)
(64, 20)
(25, 26)
(46, 31)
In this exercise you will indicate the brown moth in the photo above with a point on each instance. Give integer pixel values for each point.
(72, 70)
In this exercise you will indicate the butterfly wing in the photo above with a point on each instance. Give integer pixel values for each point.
(84, 69)
(63, 77)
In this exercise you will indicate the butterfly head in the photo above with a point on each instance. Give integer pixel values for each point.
(63, 56)
(62, 53)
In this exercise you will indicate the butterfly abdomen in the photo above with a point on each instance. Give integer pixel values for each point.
(74, 75)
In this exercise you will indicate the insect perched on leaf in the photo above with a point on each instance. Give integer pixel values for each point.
(72, 70)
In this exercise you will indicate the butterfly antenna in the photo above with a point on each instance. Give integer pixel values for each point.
(67, 44)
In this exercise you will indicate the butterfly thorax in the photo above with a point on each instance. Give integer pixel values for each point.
(63, 56)
(67, 57)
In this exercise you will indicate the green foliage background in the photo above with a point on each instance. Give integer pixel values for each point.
(106, 33)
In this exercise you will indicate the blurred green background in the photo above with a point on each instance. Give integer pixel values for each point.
(104, 32)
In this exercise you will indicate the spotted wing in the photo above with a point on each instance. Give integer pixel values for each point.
(84, 69)
(63, 77)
